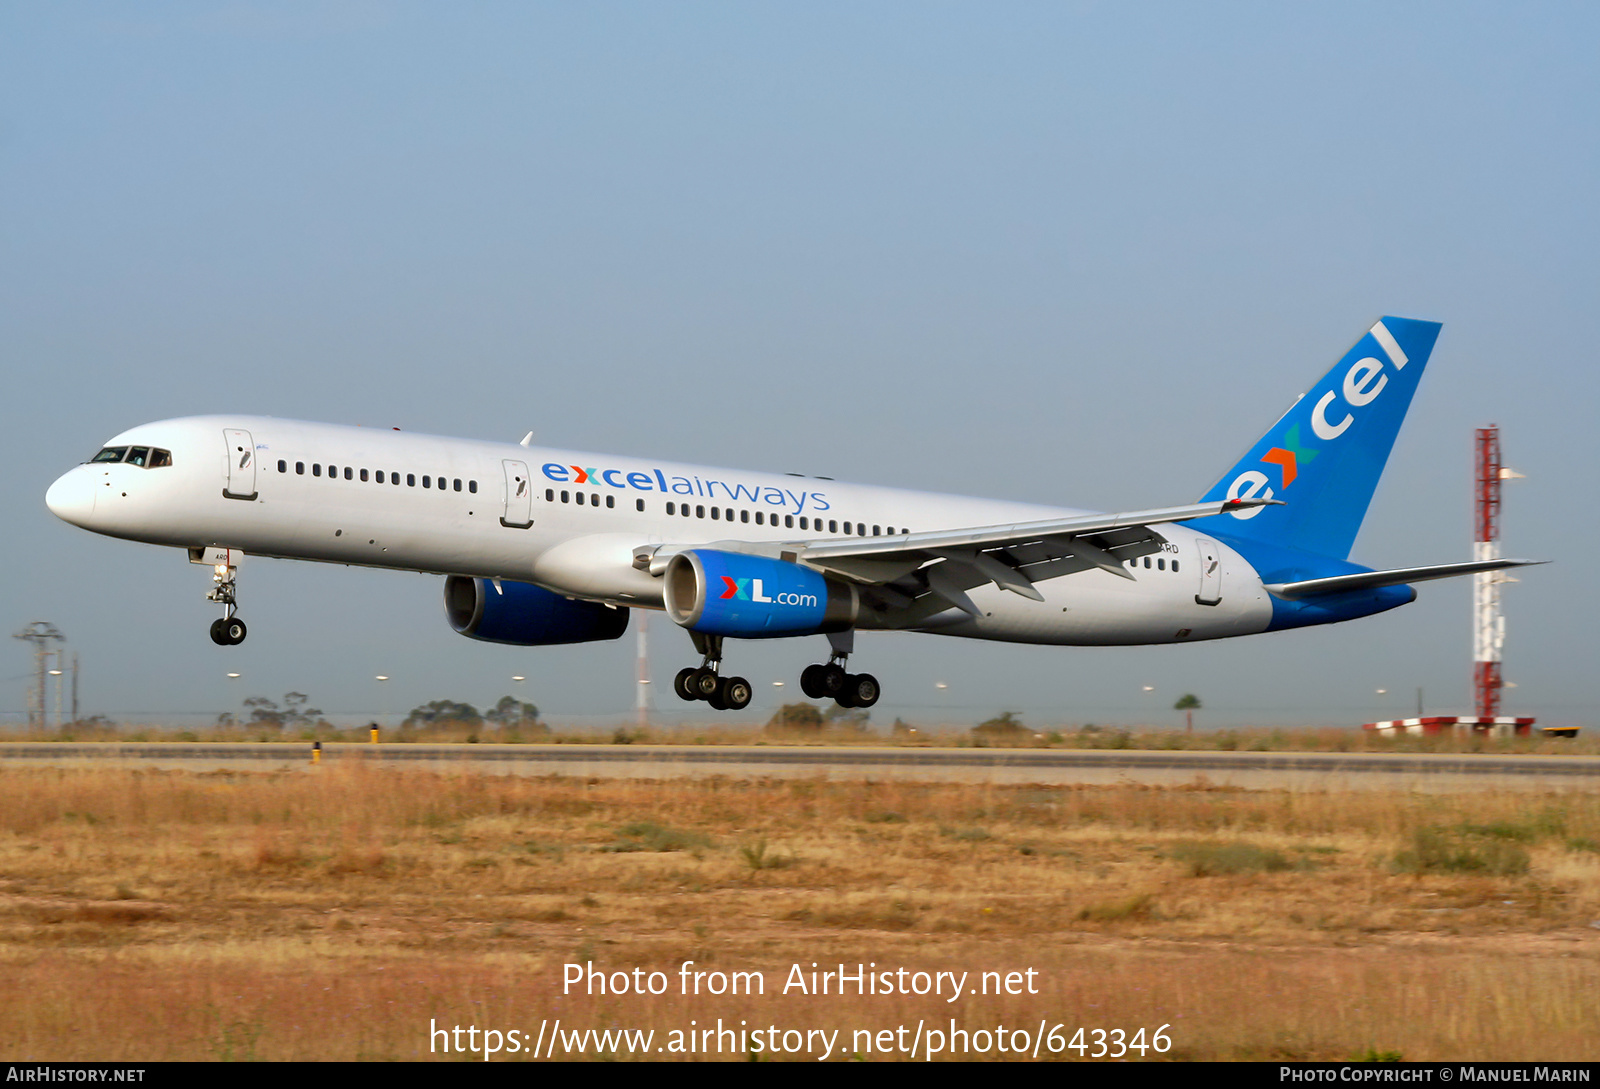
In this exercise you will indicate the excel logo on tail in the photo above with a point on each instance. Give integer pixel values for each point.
(1360, 386)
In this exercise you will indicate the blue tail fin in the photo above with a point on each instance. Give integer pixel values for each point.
(1324, 456)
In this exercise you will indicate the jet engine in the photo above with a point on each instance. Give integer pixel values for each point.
(525, 615)
(754, 597)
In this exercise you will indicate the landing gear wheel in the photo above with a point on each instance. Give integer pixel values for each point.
(734, 694)
(862, 689)
(219, 634)
(832, 680)
(681, 684)
(811, 681)
(234, 631)
(715, 699)
(704, 683)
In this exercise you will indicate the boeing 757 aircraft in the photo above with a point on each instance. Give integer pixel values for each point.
(544, 546)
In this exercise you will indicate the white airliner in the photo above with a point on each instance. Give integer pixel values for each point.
(544, 546)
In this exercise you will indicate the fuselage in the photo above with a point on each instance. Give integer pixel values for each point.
(572, 522)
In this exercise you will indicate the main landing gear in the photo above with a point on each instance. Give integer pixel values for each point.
(230, 630)
(831, 681)
(704, 683)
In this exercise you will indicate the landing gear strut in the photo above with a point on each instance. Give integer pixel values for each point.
(704, 683)
(831, 681)
(230, 630)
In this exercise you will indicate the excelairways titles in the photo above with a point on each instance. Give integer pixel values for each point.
(657, 481)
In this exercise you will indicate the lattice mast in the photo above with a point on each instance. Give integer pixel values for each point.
(1488, 623)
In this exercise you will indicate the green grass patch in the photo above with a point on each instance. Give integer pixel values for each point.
(1466, 849)
(1212, 859)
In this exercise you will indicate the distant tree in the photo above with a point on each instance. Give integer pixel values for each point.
(1188, 703)
(512, 712)
(442, 711)
(1006, 726)
(295, 711)
(264, 712)
(847, 718)
(803, 717)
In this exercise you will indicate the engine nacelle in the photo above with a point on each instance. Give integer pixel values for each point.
(525, 615)
(754, 597)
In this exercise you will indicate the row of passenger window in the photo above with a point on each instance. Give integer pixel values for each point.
(146, 457)
(1161, 564)
(379, 475)
(857, 529)
(591, 498)
(725, 514)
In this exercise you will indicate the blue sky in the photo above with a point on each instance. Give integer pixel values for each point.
(1080, 254)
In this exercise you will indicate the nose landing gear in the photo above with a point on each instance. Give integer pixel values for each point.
(704, 683)
(230, 630)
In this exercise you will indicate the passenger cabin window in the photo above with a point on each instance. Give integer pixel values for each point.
(316, 468)
(363, 474)
(300, 468)
(788, 521)
(672, 508)
(109, 455)
(639, 503)
(611, 501)
(347, 473)
(472, 485)
(378, 476)
(283, 466)
(394, 478)
(411, 480)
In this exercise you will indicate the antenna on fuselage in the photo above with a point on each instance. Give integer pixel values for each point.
(526, 439)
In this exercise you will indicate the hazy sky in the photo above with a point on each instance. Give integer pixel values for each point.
(1069, 253)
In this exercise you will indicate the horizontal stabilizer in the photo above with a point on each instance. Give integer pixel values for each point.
(1370, 580)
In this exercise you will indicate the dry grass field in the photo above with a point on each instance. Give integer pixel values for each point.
(336, 914)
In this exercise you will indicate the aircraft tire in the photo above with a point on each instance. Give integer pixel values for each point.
(218, 635)
(234, 631)
(735, 693)
(864, 690)
(811, 681)
(832, 680)
(704, 683)
(681, 684)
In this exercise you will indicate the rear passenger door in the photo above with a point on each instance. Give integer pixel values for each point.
(1210, 573)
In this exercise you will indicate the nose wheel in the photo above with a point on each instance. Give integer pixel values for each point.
(230, 630)
(706, 683)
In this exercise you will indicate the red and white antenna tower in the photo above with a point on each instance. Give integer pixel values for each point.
(1488, 623)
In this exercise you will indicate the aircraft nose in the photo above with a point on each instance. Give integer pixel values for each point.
(71, 498)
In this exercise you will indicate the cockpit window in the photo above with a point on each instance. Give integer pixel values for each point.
(159, 459)
(138, 455)
(110, 453)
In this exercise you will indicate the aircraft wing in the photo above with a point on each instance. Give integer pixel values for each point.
(917, 575)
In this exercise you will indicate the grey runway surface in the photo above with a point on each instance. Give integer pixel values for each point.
(1246, 770)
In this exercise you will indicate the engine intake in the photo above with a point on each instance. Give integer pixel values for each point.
(754, 597)
(525, 615)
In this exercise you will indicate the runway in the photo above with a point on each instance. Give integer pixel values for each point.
(1243, 770)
